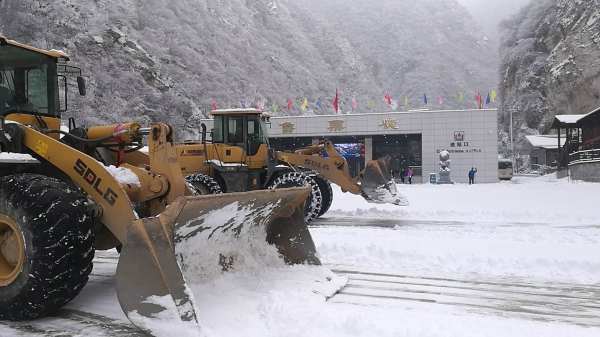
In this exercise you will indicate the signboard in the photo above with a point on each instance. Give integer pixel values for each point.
(349, 150)
(287, 127)
(389, 124)
(459, 136)
(336, 126)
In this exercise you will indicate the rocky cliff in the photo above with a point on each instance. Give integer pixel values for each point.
(550, 64)
(149, 60)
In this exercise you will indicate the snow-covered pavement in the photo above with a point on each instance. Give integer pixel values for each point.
(518, 258)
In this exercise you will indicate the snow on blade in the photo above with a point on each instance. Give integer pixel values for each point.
(123, 175)
(201, 249)
(391, 196)
(232, 270)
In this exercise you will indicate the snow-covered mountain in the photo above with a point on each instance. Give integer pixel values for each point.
(168, 60)
(550, 65)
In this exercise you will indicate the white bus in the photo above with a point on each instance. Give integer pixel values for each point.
(505, 169)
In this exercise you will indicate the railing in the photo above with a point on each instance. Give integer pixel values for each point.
(586, 156)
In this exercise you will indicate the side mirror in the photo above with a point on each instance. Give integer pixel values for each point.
(81, 85)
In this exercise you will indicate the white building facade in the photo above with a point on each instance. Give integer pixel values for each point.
(413, 139)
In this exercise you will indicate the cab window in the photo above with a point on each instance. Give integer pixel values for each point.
(235, 129)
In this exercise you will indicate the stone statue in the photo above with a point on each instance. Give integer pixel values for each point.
(444, 174)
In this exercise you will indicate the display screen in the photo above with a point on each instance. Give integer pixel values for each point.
(348, 150)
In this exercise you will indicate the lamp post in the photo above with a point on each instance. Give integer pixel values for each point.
(512, 145)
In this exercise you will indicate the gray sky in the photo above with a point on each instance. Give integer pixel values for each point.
(489, 13)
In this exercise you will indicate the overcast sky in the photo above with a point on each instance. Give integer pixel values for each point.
(489, 13)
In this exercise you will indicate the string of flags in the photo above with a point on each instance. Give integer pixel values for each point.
(481, 102)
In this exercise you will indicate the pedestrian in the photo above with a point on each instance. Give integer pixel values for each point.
(402, 175)
(410, 174)
(472, 175)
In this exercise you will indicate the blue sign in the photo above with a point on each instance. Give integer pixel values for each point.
(433, 178)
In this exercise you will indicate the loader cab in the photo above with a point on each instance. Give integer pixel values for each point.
(33, 84)
(245, 129)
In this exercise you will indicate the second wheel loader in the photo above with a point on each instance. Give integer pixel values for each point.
(60, 200)
(239, 159)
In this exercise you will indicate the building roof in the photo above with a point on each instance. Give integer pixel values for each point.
(560, 121)
(589, 114)
(546, 142)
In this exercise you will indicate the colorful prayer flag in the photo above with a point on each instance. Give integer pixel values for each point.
(258, 105)
(406, 99)
(304, 104)
(289, 104)
(335, 101)
(493, 96)
(354, 102)
(424, 99)
(319, 103)
(370, 102)
(275, 106)
(488, 100)
(441, 99)
(389, 100)
(478, 98)
(215, 106)
(228, 105)
(461, 96)
(243, 104)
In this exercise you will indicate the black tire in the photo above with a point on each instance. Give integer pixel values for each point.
(313, 203)
(326, 192)
(201, 184)
(58, 242)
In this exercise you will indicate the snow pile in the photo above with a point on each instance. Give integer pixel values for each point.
(7, 156)
(123, 175)
(167, 322)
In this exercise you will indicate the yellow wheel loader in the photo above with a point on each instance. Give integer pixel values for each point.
(60, 200)
(239, 159)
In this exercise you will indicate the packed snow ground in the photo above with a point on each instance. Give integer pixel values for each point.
(522, 200)
(520, 258)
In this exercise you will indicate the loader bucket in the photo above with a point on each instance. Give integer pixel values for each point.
(202, 237)
(377, 185)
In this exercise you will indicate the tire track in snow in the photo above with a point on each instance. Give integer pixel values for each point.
(574, 304)
(68, 322)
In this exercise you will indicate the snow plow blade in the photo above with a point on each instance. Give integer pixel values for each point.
(204, 236)
(377, 185)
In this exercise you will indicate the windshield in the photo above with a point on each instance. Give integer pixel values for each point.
(257, 133)
(28, 82)
(503, 165)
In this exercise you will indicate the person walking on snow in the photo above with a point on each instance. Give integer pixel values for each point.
(402, 175)
(410, 174)
(472, 175)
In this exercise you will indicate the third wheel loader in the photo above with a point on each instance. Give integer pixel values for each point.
(239, 158)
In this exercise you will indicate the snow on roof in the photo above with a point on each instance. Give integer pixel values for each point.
(545, 141)
(569, 119)
(236, 110)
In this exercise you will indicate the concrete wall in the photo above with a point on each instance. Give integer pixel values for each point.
(438, 128)
(589, 172)
(480, 131)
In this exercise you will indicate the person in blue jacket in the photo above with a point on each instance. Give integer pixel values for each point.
(472, 175)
